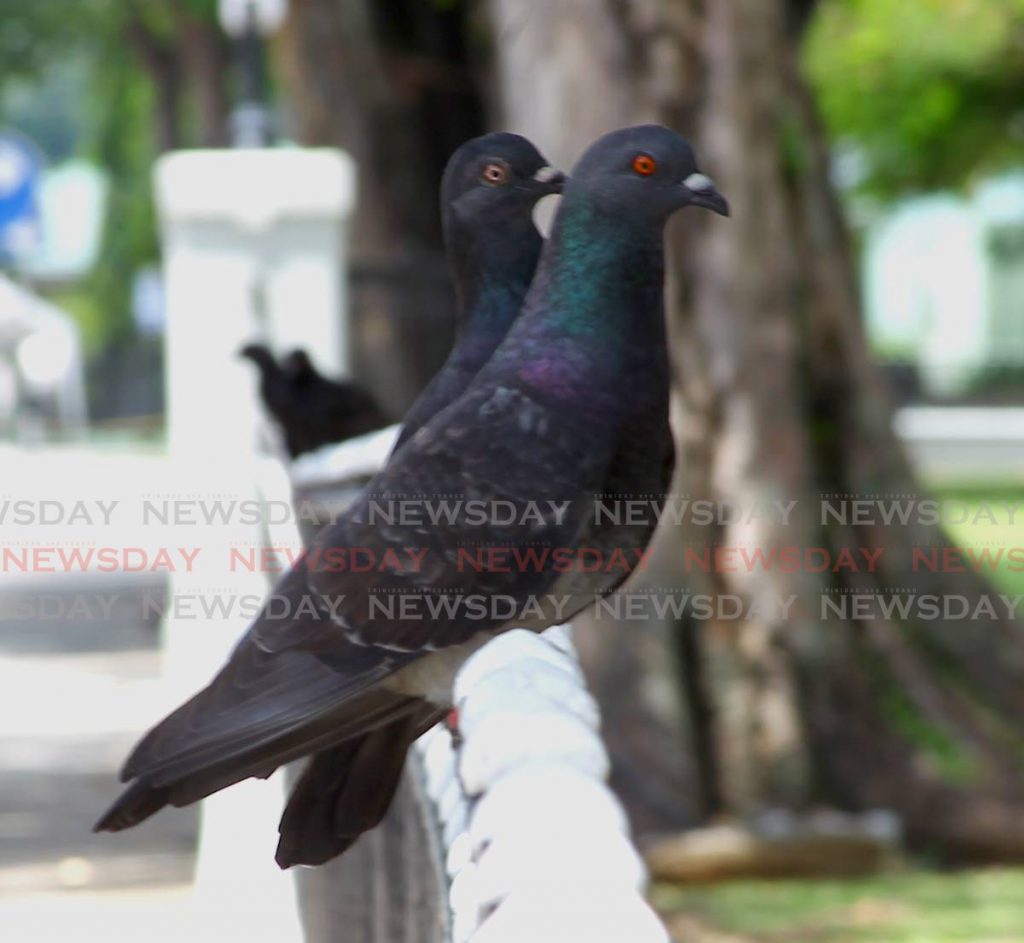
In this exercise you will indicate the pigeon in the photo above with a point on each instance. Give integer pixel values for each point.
(310, 409)
(488, 192)
(571, 409)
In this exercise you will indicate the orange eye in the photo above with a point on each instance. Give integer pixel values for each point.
(495, 173)
(644, 164)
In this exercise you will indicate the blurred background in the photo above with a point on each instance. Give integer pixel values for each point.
(856, 330)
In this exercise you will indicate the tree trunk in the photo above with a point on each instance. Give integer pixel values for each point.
(394, 85)
(206, 61)
(161, 62)
(778, 401)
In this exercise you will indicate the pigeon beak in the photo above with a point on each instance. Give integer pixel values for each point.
(701, 192)
(551, 179)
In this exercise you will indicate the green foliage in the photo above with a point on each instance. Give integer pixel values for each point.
(910, 907)
(928, 90)
(50, 112)
(72, 78)
(33, 35)
(974, 529)
(123, 146)
(79, 302)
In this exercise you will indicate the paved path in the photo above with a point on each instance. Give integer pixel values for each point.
(73, 692)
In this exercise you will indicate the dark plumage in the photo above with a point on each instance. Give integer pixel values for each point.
(310, 409)
(493, 247)
(573, 405)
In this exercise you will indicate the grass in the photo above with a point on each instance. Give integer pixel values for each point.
(979, 906)
(973, 527)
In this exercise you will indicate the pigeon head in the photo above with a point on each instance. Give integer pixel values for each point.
(260, 355)
(489, 190)
(645, 172)
(297, 364)
(493, 181)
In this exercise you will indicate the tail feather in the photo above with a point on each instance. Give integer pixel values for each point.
(189, 780)
(243, 747)
(346, 791)
(136, 804)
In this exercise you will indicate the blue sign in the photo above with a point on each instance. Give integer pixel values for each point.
(19, 186)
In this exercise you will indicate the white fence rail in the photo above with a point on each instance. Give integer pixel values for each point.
(976, 446)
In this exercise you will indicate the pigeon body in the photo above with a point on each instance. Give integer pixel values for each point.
(573, 405)
(488, 193)
(311, 409)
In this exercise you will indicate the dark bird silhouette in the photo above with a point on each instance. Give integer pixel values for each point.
(310, 409)
(489, 190)
(572, 406)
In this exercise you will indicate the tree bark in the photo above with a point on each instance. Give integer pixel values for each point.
(162, 63)
(394, 85)
(206, 62)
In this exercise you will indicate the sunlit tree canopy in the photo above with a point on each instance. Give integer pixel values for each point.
(928, 91)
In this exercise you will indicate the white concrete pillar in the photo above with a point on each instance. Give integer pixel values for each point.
(253, 245)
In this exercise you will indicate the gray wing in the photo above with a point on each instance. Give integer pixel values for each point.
(276, 693)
